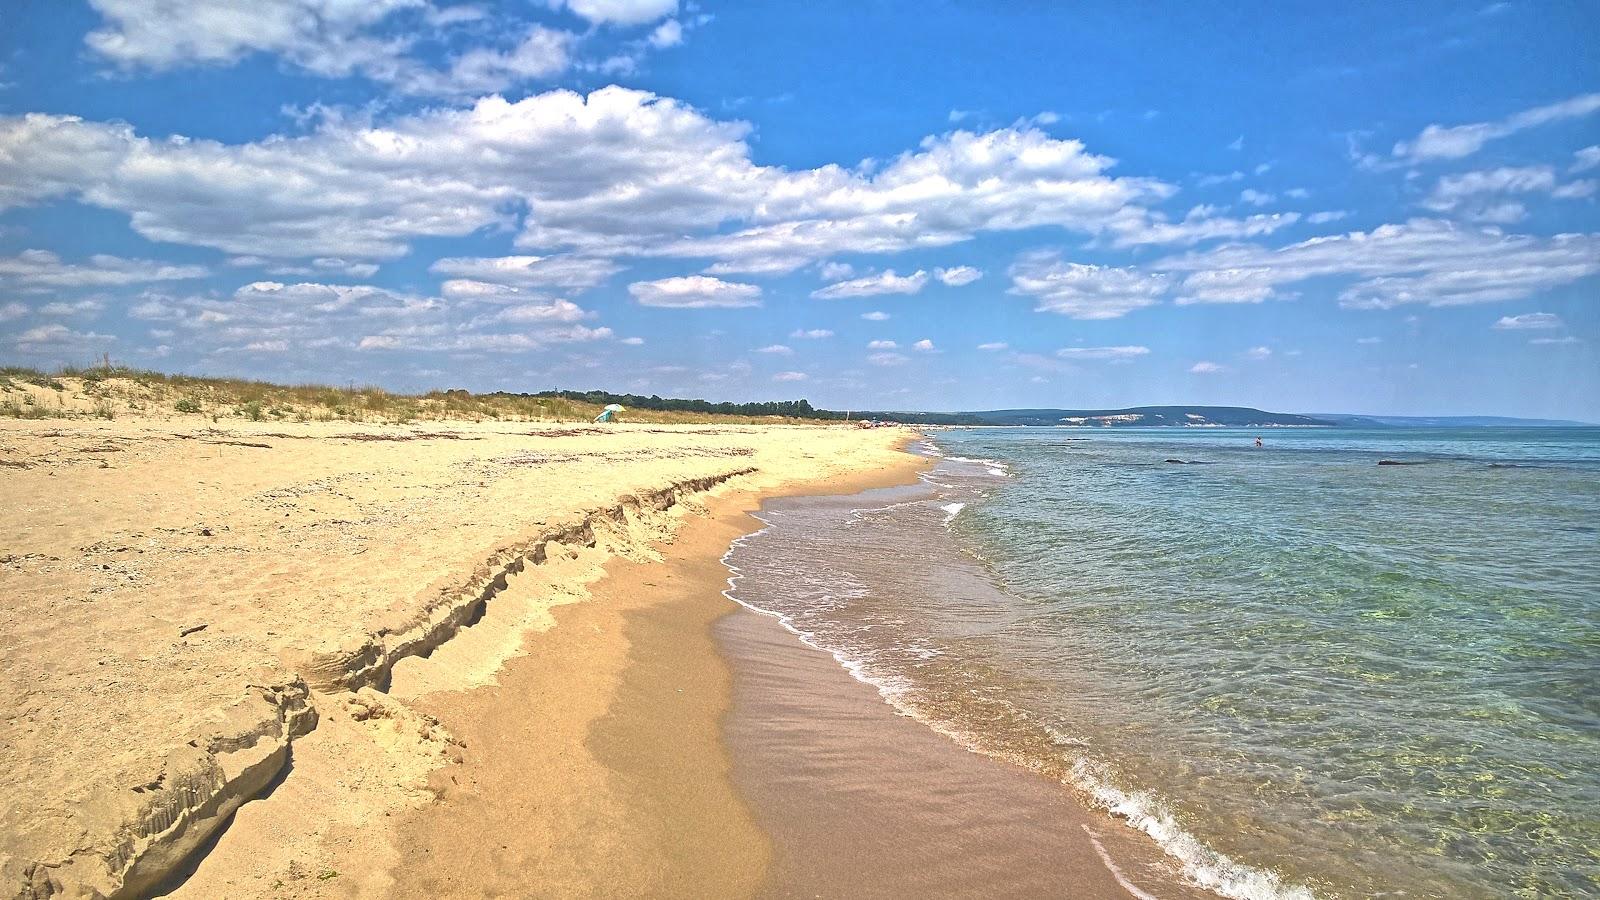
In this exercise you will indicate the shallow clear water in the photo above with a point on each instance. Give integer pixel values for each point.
(1300, 671)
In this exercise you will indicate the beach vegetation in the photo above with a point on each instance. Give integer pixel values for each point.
(107, 389)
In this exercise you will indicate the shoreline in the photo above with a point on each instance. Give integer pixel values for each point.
(644, 764)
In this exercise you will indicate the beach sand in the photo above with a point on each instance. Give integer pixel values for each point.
(197, 615)
(459, 661)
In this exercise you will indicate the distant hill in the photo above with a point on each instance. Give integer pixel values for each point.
(1355, 421)
(1147, 416)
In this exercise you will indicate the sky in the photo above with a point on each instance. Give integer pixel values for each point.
(1376, 208)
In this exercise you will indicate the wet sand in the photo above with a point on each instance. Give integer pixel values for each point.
(860, 801)
(595, 766)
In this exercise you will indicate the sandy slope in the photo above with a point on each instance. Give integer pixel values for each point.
(182, 602)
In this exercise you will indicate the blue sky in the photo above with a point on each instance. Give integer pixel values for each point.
(1387, 209)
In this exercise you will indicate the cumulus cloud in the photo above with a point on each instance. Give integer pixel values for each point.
(55, 338)
(1257, 198)
(790, 376)
(887, 359)
(1084, 291)
(619, 12)
(1423, 261)
(924, 345)
(777, 350)
(569, 272)
(40, 269)
(875, 316)
(882, 345)
(1258, 353)
(1205, 367)
(303, 316)
(957, 276)
(1115, 354)
(695, 292)
(1538, 320)
(658, 179)
(328, 38)
(811, 333)
(886, 282)
(1438, 142)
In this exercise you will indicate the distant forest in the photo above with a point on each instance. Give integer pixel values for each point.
(798, 409)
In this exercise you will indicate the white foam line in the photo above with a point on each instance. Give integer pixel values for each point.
(1111, 867)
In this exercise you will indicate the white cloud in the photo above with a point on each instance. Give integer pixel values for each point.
(1322, 218)
(875, 316)
(659, 179)
(1586, 159)
(1369, 340)
(1440, 142)
(632, 341)
(1529, 320)
(924, 345)
(1257, 198)
(811, 333)
(993, 346)
(887, 359)
(43, 269)
(1422, 261)
(886, 282)
(86, 307)
(328, 38)
(958, 276)
(836, 271)
(540, 53)
(882, 345)
(1084, 291)
(695, 292)
(1116, 354)
(790, 376)
(570, 272)
(1207, 368)
(667, 34)
(57, 337)
(619, 12)
(1564, 339)
(1199, 224)
(776, 350)
(1473, 194)
(9, 311)
(1258, 353)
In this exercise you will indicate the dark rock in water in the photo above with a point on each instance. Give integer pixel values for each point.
(1399, 462)
(1512, 466)
(1178, 461)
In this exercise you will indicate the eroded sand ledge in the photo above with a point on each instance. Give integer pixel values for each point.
(114, 782)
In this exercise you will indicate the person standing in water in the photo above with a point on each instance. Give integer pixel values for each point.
(1258, 442)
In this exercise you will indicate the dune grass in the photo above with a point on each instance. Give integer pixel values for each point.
(108, 391)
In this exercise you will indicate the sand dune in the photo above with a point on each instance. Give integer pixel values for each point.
(184, 602)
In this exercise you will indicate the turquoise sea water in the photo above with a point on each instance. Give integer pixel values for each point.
(1302, 672)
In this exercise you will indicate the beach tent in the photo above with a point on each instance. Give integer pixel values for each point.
(606, 414)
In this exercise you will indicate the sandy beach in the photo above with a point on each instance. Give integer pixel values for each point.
(468, 659)
(192, 606)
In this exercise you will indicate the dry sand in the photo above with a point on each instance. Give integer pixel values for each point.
(192, 612)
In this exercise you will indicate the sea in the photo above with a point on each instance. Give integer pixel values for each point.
(1345, 663)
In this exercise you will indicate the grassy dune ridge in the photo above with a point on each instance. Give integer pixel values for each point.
(110, 391)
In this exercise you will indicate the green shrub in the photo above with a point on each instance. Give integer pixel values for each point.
(186, 405)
